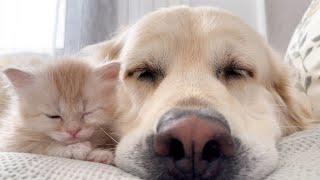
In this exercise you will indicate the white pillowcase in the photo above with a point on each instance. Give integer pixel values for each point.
(304, 55)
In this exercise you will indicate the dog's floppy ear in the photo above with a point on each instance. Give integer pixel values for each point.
(295, 109)
(107, 50)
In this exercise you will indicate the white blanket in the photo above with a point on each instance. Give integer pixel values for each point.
(299, 160)
(299, 157)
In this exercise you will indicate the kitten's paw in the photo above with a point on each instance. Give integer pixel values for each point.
(80, 150)
(101, 155)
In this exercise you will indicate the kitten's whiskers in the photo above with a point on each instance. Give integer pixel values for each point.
(105, 132)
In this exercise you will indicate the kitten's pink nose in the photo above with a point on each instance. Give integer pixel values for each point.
(74, 132)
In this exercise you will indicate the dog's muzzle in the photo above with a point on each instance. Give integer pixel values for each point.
(193, 143)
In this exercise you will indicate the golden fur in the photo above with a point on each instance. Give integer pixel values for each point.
(73, 91)
(69, 80)
(187, 48)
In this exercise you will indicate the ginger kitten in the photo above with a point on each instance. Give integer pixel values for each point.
(66, 109)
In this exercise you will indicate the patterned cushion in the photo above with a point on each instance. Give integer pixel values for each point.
(304, 55)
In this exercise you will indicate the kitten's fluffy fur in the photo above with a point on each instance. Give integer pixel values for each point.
(61, 110)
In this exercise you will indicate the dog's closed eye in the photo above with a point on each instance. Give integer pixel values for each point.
(146, 74)
(233, 71)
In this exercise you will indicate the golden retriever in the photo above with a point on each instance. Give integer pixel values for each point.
(202, 96)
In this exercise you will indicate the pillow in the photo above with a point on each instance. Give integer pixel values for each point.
(304, 55)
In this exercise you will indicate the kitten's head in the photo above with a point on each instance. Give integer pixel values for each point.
(66, 100)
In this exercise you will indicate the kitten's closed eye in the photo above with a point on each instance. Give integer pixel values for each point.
(53, 116)
(86, 114)
(89, 112)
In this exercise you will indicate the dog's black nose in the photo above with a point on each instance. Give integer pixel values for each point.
(193, 142)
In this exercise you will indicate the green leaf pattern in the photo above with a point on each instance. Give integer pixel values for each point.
(303, 52)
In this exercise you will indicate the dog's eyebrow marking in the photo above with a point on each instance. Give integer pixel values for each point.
(231, 57)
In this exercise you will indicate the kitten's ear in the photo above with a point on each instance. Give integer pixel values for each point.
(109, 71)
(19, 78)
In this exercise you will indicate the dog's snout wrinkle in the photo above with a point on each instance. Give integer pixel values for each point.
(176, 114)
(193, 102)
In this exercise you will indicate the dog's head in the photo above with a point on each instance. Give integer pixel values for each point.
(203, 96)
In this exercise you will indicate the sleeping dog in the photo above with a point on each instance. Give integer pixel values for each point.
(202, 96)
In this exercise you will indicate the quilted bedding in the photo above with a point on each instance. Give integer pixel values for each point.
(299, 159)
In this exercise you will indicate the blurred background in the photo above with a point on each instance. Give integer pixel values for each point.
(64, 26)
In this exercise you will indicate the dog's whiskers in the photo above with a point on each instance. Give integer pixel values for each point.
(288, 126)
